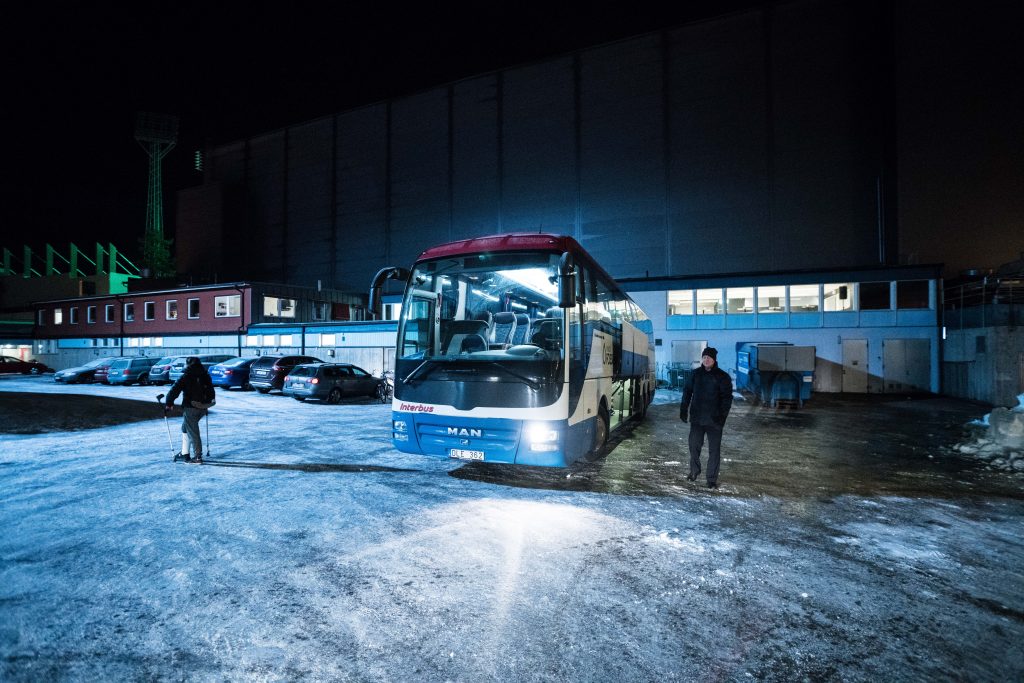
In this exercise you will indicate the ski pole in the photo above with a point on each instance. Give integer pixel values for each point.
(207, 433)
(160, 400)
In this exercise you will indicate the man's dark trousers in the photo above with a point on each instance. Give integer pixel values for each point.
(714, 434)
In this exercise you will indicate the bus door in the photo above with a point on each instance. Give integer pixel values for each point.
(423, 321)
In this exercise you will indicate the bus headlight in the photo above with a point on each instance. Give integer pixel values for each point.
(542, 437)
(399, 425)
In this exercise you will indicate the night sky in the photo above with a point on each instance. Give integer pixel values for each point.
(76, 73)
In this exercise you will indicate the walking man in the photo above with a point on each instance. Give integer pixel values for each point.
(198, 391)
(707, 399)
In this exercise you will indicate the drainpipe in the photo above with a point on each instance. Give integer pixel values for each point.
(241, 320)
(120, 317)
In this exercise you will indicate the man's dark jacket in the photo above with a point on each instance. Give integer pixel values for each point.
(195, 383)
(707, 397)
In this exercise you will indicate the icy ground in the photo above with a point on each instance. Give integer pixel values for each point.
(308, 549)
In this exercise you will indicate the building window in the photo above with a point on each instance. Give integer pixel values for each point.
(252, 340)
(90, 314)
(709, 301)
(109, 313)
(771, 299)
(838, 296)
(58, 316)
(172, 309)
(129, 313)
(392, 311)
(912, 294)
(149, 310)
(286, 340)
(874, 296)
(740, 299)
(321, 310)
(133, 342)
(193, 309)
(274, 307)
(41, 317)
(680, 302)
(327, 339)
(803, 298)
(73, 317)
(229, 306)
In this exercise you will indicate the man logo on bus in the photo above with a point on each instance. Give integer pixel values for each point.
(462, 431)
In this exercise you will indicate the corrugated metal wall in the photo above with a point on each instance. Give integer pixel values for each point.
(738, 144)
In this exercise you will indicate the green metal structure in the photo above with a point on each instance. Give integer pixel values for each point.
(158, 134)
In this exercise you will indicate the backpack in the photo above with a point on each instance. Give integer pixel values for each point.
(205, 391)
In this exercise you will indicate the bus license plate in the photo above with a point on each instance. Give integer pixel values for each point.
(466, 455)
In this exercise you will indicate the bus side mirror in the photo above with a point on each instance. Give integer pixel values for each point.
(566, 282)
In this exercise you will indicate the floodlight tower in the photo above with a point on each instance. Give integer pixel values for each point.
(158, 134)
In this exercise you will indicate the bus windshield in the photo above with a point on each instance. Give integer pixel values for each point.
(486, 307)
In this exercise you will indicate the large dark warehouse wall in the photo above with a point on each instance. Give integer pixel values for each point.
(750, 142)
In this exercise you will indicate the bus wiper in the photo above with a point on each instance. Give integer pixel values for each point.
(416, 371)
(533, 384)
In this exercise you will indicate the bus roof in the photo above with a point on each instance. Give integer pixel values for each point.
(516, 241)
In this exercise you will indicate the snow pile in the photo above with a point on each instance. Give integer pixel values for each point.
(1003, 444)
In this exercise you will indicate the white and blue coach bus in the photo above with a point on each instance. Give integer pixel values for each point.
(515, 348)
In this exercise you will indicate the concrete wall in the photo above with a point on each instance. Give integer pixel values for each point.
(985, 364)
(650, 152)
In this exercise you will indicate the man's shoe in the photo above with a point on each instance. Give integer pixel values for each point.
(712, 484)
(691, 477)
(177, 457)
(198, 460)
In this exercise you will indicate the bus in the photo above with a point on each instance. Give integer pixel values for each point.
(515, 348)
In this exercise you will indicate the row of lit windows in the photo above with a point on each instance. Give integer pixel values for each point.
(835, 296)
(228, 306)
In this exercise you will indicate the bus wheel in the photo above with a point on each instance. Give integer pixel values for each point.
(601, 430)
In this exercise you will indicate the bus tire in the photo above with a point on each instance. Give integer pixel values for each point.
(600, 430)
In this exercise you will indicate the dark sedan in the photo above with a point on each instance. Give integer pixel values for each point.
(158, 374)
(268, 372)
(82, 373)
(330, 382)
(232, 373)
(9, 365)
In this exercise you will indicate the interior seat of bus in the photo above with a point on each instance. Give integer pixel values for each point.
(504, 330)
(462, 336)
(522, 334)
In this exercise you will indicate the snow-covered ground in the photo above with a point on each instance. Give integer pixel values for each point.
(309, 549)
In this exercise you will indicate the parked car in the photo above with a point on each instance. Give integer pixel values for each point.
(100, 375)
(131, 370)
(330, 382)
(232, 373)
(268, 372)
(82, 373)
(9, 365)
(158, 373)
(208, 361)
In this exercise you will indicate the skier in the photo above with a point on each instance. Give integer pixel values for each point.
(198, 396)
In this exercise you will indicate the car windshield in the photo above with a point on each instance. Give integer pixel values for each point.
(166, 360)
(489, 304)
(95, 363)
(235, 362)
(304, 371)
(119, 364)
(265, 361)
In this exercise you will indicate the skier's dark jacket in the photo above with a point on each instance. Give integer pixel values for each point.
(707, 397)
(197, 386)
